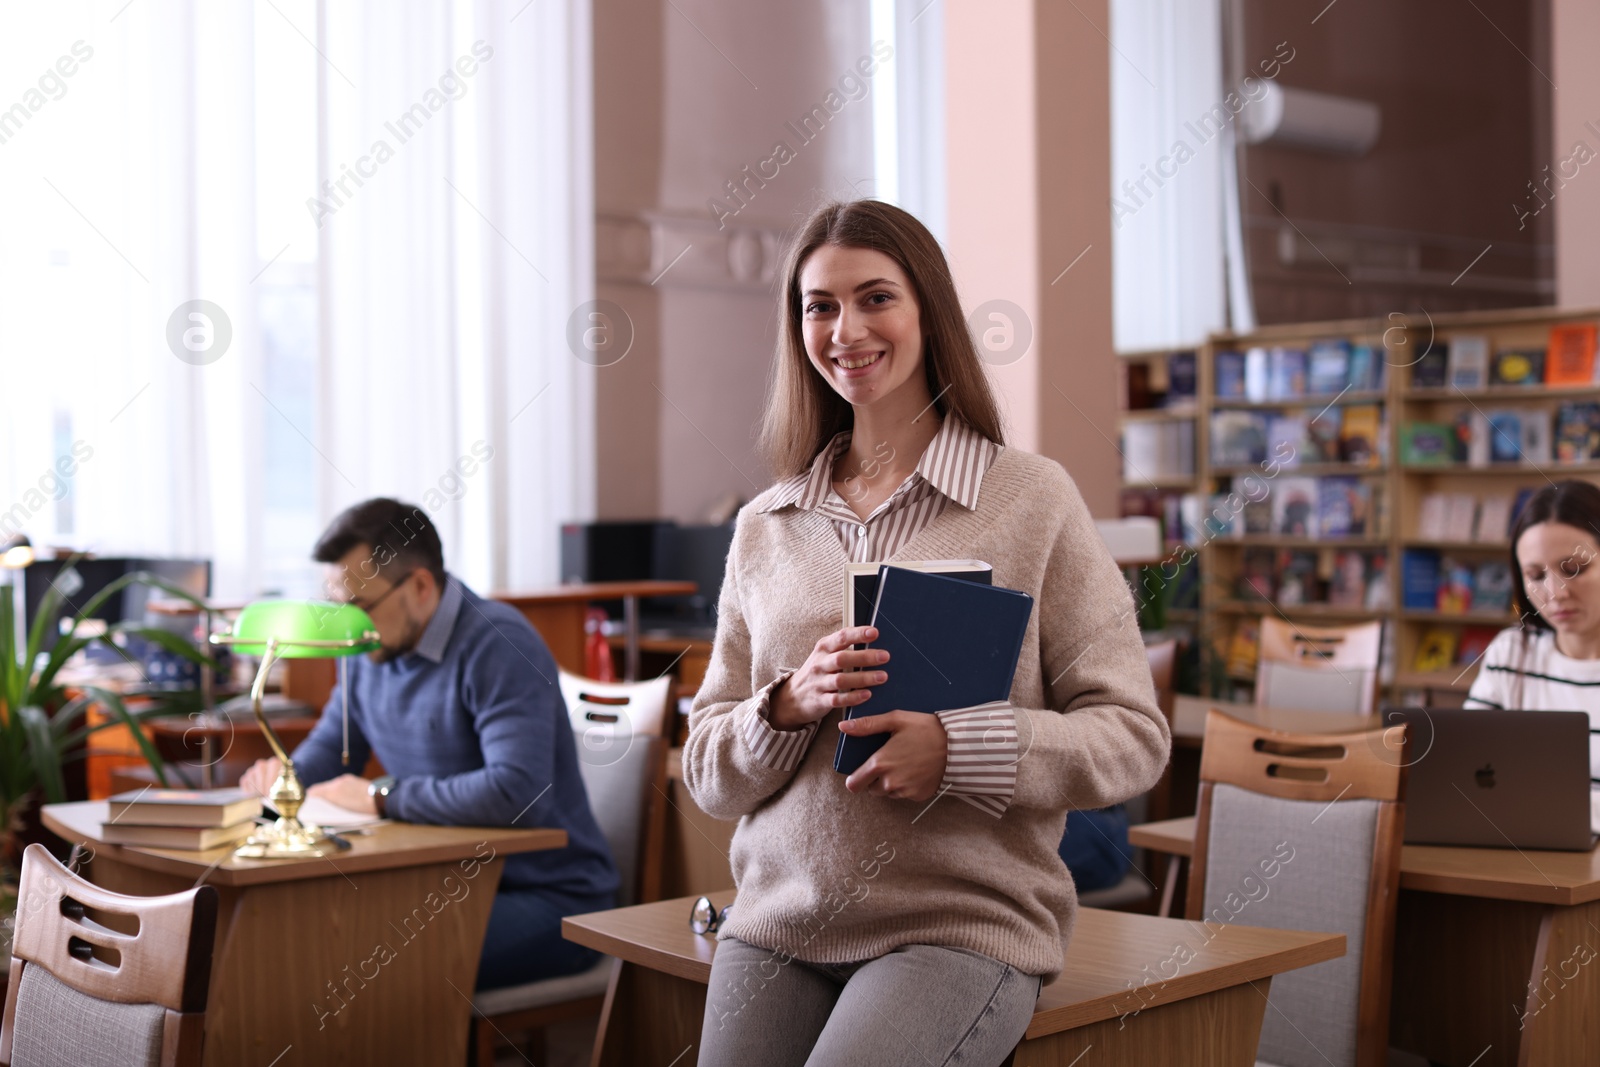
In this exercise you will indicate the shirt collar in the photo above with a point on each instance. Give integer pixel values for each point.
(954, 463)
(436, 635)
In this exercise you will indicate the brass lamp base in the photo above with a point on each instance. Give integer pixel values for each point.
(286, 839)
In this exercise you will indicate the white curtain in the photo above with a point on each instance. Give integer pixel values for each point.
(455, 244)
(127, 170)
(1168, 156)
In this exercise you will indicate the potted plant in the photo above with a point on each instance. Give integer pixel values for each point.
(43, 724)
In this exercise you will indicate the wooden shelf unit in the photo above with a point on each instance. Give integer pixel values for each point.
(1403, 485)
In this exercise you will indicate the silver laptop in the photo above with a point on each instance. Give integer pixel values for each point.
(1501, 779)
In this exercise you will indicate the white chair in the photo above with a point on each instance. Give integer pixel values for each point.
(623, 759)
(1319, 668)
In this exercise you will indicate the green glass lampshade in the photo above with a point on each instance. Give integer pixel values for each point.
(304, 629)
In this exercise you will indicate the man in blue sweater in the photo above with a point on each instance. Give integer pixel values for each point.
(462, 708)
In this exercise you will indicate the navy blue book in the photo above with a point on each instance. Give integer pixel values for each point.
(952, 643)
(1419, 579)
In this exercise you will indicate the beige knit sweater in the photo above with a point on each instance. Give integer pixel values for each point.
(829, 876)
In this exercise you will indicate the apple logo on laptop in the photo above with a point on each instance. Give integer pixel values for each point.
(1485, 776)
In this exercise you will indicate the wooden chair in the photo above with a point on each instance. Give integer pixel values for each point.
(1319, 668)
(1303, 832)
(102, 978)
(1135, 890)
(622, 756)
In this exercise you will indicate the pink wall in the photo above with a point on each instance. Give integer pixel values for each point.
(1575, 26)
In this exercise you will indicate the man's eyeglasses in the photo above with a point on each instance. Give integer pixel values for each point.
(705, 918)
(370, 606)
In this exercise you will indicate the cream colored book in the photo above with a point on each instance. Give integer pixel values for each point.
(861, 581)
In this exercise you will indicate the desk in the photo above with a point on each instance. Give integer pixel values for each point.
(558, 616)
(297, 962)
(657, 996)
(1476, 930)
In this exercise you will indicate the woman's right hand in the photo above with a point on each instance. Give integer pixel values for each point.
(828, 679)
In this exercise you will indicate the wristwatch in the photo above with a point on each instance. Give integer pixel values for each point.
(379, 792)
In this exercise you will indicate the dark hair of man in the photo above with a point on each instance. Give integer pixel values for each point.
(400, 536)
(1570, 502)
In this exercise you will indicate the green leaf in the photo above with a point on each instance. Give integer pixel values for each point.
(119, 711)
(43, 756)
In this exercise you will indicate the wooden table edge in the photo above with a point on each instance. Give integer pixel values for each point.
(504, 840)
(1175, 837)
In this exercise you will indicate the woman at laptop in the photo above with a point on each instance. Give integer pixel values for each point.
(910, 912)
(1550, 661)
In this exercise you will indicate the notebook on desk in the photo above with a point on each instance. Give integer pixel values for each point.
(1498, 779)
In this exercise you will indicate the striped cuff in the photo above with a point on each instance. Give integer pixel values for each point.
(981, 765)
(782, 750)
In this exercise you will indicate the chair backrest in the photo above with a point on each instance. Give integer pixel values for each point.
(1319, 668)
(601, 709)
(1303, 832)
(131, 973)
(626, 788)
(1137, 537)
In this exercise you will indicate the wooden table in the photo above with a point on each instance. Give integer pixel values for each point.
(1211, 1009)
(1492, 954)
(366, 957)
(558, 615)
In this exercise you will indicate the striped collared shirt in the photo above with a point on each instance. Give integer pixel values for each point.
(980, 764)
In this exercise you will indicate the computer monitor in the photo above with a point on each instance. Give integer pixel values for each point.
(94, 574)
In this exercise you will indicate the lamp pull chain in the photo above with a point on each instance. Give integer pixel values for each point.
(344, 693)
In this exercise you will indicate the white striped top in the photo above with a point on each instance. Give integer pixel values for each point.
(1523, 670)
(981, 759)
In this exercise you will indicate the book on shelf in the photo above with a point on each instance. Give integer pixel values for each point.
(1256, 377)
(1379, 596)
(1348, 586)
(1191, 512)
(1419, 579)
(861, 582)
(1328, 368)
(1475, 641)
(1536, 436)
(1428, 443)
(1366, 369)
(1494, 519)
(1431, 514)
(1244, 648)
(199, 808)
(1186, 586)
(1230, 376)
(1257, 575)
(1153, 450)
(1286, 436)
(1323, 434)
(1361, 435)
(1294, 507)
(1517, 366)
(1454, 596)
(1491, 586)
(1238, 438)
(1475, 429)
(957, 643)
(1342, 506)
(1297, 577)
(1137, 394)
(1577, 432)
(1469, 361)
(1181, 388)
(1460, 517)
(1505, 437)
(1258, 515)
(1224, 519)
(1286, 370)
(181, 837)
(1437, 650)
(1570, 359)
(1431, 369)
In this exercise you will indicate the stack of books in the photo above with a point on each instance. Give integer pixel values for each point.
(180, 818)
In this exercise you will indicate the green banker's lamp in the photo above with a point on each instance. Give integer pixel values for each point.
(293, 629)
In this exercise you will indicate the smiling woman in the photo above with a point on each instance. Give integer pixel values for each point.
(887, 441)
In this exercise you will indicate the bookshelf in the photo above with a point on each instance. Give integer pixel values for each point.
(1265, 541)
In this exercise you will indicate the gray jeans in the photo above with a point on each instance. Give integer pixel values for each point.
(919, 1005)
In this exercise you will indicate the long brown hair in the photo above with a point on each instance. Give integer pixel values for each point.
(803, 412)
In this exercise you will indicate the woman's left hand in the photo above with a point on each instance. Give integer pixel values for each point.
(910, 766)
